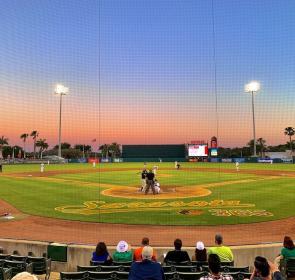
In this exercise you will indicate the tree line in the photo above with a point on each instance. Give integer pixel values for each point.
(41, 148)
(113, 150)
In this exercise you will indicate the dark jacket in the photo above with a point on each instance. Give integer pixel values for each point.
(177, 256)
(146, 270)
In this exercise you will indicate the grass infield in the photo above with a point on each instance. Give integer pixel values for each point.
(197, 194)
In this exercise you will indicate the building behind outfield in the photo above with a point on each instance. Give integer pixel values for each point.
(153, 153)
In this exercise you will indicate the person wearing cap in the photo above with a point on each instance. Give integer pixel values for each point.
(200, 252)
(224, 253)
(123, 252)
(146, 269)
(138, 251)
(177, 255)
(215, 270)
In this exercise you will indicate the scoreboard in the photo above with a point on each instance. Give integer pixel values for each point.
(195, 150)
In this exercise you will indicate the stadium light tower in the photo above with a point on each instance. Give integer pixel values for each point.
(253, 87)
(60, 90)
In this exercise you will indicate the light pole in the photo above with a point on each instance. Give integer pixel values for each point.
(253, 87)
(60, 90)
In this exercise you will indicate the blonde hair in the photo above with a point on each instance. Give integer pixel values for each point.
(24, 276)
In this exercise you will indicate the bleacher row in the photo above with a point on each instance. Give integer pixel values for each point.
(10, 265)
(120, 271)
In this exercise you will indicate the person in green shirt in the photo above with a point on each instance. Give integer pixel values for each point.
(123, 252)
(224, 253)
(288, 251)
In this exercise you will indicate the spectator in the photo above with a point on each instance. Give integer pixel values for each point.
(177, 255)
(146, 269)
(101, 254)
(215, 268)
(265, 270)
(200, 252)
(224, 253)
(123, 252)
(288, 251)
(24, 276)
(138, 252)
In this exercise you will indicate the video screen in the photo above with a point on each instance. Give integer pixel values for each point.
(198, 150)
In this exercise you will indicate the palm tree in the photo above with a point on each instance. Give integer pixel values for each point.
(261, 144)
(41, 143)
(114, 149)
(34, 134)
(24, 136)
(3, 142)
(104, 150)
(290, 131)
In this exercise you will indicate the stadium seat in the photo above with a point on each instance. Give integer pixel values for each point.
(171, 275)
(81, 268)
(122, 275)
(178, 263)
(18, 266)
(18, 258)
(287, 267)
(186, 268)
(40, 265)
(96, 263)
(5, 273)
(235, 269)
(123, 263)
(73, 275)
(190, 275)
(4, 256)
(107, 275)
(168, 268)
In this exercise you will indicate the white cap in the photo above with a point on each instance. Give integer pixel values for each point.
(200, 245)
(122, 247)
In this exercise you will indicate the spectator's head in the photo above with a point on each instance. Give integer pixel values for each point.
(147, 253)
(262, 266)
(177, 244)
(122, 247)
(214, 263)
(101, 249)
(218, 239)
(288, 243)
(24, 276)
(145, 241)
(201, 252)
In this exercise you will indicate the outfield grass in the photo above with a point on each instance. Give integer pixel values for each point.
(261, 198)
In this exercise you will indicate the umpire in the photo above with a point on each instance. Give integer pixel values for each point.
(150, 182)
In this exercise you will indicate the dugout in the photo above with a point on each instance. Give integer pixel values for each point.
(142, 153)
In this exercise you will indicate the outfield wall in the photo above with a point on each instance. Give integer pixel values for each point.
(81, 254)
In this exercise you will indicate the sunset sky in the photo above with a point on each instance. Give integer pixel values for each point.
(143, 71)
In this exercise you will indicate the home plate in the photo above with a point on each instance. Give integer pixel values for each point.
(30, 175)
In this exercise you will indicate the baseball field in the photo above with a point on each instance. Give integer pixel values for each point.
(197, 194)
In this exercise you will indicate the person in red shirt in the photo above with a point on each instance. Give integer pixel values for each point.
(137, 256)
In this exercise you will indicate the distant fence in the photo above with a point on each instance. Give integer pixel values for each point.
(252, 160)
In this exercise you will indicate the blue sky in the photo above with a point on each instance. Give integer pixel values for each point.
(133, 62)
